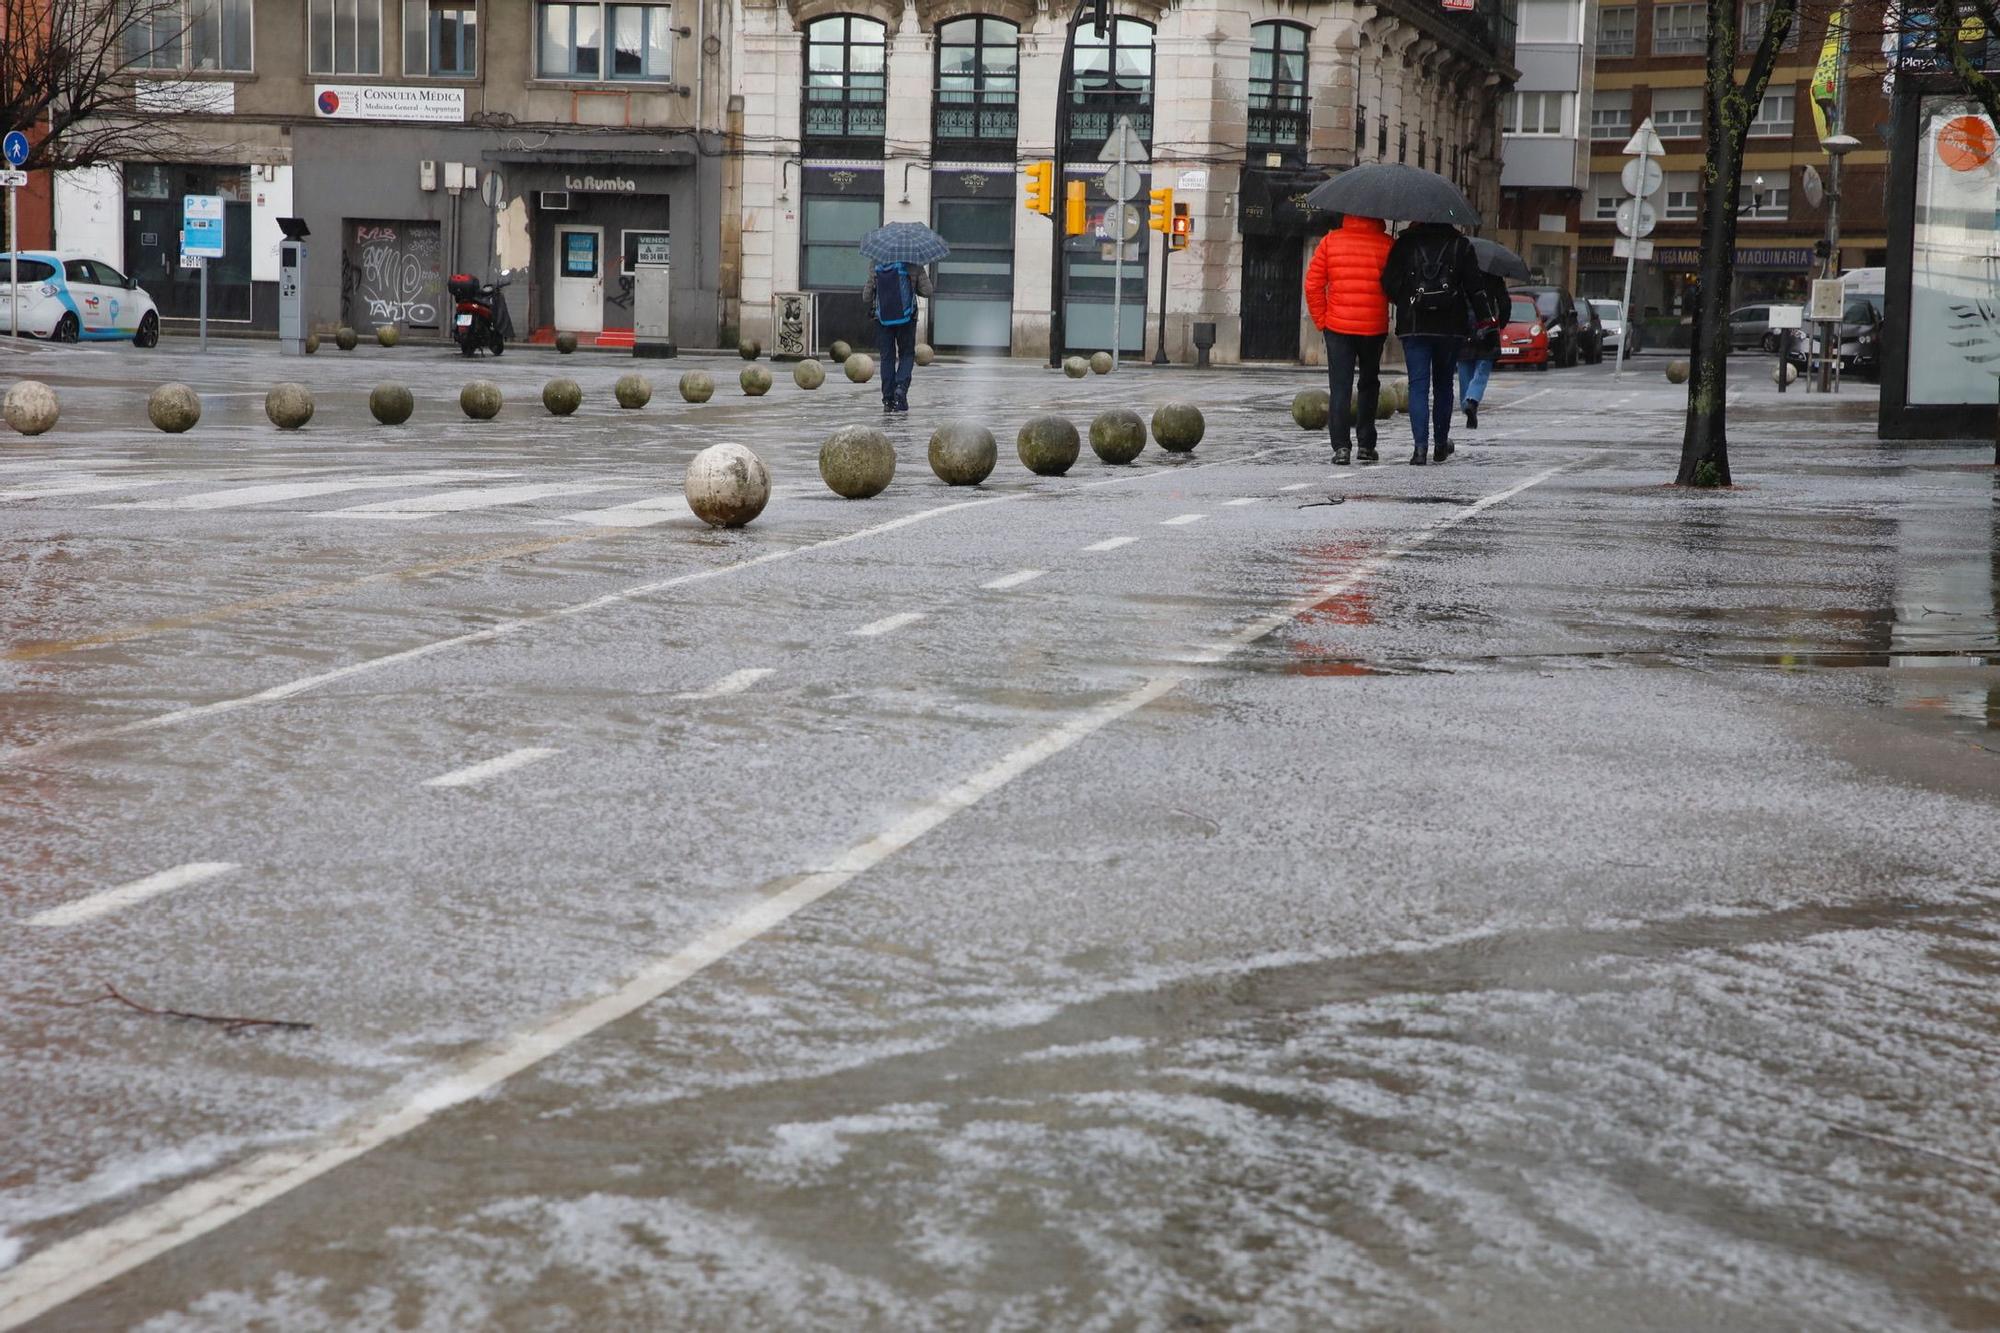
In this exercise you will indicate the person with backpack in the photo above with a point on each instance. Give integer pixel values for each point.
(1479, 352)
(1344, 295)
(1434, 278)
(891, 293)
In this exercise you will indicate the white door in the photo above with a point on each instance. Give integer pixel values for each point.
(580, 279)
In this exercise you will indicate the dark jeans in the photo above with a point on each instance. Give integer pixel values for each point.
(898, 345)
(1345, 351)
(1431, 361)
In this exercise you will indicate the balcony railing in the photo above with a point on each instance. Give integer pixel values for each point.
(960, 120)
(861, 115)
(1092, 116)
(1278, 127)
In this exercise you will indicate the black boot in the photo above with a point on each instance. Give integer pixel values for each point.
(1472, 414)
(1444, 450)
(1419, 458)
(1340, 452)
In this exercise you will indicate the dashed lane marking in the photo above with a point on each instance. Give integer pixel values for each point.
(1182, 520)
(1110, 543)
(1296, 486)
(734, 683)
(122, 897)
(875, 629)
(473, 774)
(1246, 500)
(1014, 580)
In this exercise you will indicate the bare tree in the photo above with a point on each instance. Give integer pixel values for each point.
(66, 67)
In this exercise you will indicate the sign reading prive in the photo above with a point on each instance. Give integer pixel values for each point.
(368, 101)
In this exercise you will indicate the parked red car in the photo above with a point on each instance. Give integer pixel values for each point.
(1525, 340)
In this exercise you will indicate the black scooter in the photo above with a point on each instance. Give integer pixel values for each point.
(479, 316)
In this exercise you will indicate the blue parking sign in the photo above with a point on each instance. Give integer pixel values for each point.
(201, 226)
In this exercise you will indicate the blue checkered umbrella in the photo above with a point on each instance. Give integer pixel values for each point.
(904, 243)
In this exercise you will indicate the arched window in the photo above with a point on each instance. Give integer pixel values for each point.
(1111, 76)
(978, 80)
(1277, 85)
(845, 81)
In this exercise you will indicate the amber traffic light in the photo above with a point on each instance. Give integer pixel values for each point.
(1160, 212)
(1041, 187)
(1076, 212)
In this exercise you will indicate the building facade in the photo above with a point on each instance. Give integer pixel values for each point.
(421, 138)
(1544, 129)
(858, 112)
(1650, 58)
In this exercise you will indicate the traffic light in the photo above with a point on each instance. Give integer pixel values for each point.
(1041, 187)
(1160, 212)
(1076, 213)
(1183, 227)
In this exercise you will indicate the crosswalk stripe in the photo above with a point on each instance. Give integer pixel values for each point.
(474, 497)
(638, 514)
(75, 485)
(276, 492)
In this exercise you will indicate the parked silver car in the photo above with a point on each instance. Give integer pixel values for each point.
(1612, 316)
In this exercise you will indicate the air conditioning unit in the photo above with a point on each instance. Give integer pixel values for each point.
(794, 325)
(555, 201)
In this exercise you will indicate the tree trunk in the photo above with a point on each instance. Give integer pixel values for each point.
(1705, 438)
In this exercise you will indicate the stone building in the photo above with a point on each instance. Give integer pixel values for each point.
(418, 138)
(1545, 143)
(854, 112)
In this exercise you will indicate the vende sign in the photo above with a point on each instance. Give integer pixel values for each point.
(367, 101)
(1460, 6)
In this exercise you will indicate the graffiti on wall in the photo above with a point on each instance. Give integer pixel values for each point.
(389, 274)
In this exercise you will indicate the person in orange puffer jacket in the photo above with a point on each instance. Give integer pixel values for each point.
(1344, 294)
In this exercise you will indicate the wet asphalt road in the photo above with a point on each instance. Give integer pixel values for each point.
(1517, 895)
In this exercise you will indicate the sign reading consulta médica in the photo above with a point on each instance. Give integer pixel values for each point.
(367, 101)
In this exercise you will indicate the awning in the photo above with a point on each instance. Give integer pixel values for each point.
(1274, 203)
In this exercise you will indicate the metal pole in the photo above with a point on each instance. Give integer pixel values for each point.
(1625, 306)
(1830, 333)
(14, 259)
(1166, 253)
(1118, 271)
(204, 306)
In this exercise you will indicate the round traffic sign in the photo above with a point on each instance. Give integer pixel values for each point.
(1636, 217)
(1121, 183)
(1642, 176)
(16, 146)
(1123, 221)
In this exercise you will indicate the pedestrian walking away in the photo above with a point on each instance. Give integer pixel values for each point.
(890, 294)
(1480, 350)
(1434, 278)
(1345, 297)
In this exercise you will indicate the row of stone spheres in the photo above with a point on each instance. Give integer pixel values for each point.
(858, 462)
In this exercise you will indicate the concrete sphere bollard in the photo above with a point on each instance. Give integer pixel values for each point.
(841, 350)
(1118, 435)
(1385, 405)
(1784, 373)
(860, 368)
(963, 453)
(632, 391)
(174, 408)
(1179, 427)
(1400, 391)
(312, 343)
(1101, 363)
(808, 374)
(391, 403)
(565, 343)
(756, 381)
(1075, 367)
(31, 407)
(345, 340)
(562, 396)
(727, 485)
(387, 335)
(1048, 445)
(749, 349)
(857, 462)
(289, 406)
(1311, 408)
(480, 400)
(1677, 372)
(926, 354)
(697, 386)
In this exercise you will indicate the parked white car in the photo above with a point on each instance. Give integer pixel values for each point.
(70, 297)
(1613, 318)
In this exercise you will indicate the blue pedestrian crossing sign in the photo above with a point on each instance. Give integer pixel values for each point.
(201, 226)
(16, 146)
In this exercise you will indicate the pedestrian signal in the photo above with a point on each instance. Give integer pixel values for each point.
(1076, 212)
(1183, 227)
(1041, 187)
(1161, 211)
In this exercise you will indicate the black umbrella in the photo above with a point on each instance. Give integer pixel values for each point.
(1501, 262)
(1394, 191)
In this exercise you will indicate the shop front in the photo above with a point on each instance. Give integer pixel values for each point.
(973, 208)
(1279, 232)
(593, 223)
(842, 204)
(154, 195)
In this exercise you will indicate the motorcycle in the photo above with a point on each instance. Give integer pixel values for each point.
(480, 318)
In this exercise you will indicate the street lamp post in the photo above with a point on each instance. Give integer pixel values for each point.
(1837, 146)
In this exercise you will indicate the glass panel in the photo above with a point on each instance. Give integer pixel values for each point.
(834, 266)
(205, 33)
(844, 221)
(957, 31)
(967, 222)
(864, 59)
(343, 36)
(557, 57)
(108, 275)
(418, 54)
(368, 37)
(628, 41)
(659, 42)
(588, 40)
(999, 32)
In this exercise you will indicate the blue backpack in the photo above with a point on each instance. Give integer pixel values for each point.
(895, 297)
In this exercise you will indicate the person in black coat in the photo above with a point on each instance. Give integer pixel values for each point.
(1481, 349)
(1438, 288)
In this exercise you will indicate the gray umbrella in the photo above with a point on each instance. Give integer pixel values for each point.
(1394, 191)
(1501, 262)
(904, 242)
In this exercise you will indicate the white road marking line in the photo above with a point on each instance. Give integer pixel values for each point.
(887, 624)
(473, 497)
(491, 768)
(1014, 580)
(1182, 520)
(195, 712)
(277, 492)
(638, 514)
(69, 1268)
(115, 900)
(1296, 486)
(1110, 543)
(80, 486)
(1526, 397)
(1246, 500)
(734, 683)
